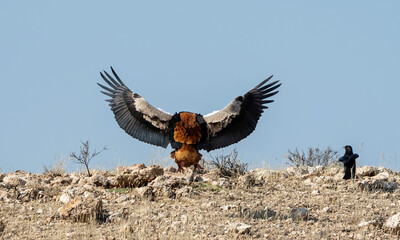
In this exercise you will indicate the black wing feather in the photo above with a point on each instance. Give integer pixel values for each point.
(133, 114)
(239, 119)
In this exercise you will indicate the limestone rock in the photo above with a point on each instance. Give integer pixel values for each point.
(378, 185)
(170, 169)
(185, 192)
(137, 175)
(65, 198)
(13, 180)
(297, 170)
(147, 193)
(299, 214)
(258, 213)
(366, 171)
(240, 228)
(61, 181)
(119, 215)
(99, 180)
(392, 225)
(29, 194)
(384, 176)
(81, 210)
(2, 226)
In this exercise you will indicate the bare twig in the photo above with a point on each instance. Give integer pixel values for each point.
(229, 165)
(315, 157)
(84, 156)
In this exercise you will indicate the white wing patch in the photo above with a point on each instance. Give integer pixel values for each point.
(218, 120)
(156, 117)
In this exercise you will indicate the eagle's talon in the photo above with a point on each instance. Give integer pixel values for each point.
(180, 169)
(197, 166)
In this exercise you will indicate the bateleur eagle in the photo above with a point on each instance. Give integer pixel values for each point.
(187, 132)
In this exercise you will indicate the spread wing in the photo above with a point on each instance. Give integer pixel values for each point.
(134, 115)
(239, 118)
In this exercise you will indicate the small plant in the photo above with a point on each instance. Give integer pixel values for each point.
(229, 165)
(58, 167)
(84, 156)
(315, 157)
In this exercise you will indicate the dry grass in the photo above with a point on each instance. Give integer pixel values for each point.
(58, 168)
(336, 208)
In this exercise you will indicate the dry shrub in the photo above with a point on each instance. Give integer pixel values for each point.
(316, 157)
(58, 167)
(228, 165)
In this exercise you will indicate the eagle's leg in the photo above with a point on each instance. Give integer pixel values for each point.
(173, 156)
(197, 165)
(180, 169)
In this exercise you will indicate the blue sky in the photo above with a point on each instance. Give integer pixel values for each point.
(338, 63)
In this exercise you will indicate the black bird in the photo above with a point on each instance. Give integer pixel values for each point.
(349, 162)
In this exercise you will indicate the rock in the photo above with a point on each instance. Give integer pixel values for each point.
(119, 215)
(297, 170)
(75, 178)
(364, 223)
(299, 214)
(243, 229)
(99, 180)
(112, 182)
(26, 195)
(12, 181)
(185, 192)
(228, 207)
(170, 169)
(308, 181)
(384, 176)
(258, 214)
(88, 194)
(213, 175)
(333, 169)
(81, 210)
(2, 226)
(327, 210)
(122, 199)
(146, 193)
(165, 185)
(378, 185)
(366, 171)
(240, 228)
(128, 229)
(197, 178)
(137, 175)
(324, 179)
(61, 181)
(315, 169)
(2, 175)
(315, 192)
(65, 198)
(247, 180)
(392, 224)
(224, 182)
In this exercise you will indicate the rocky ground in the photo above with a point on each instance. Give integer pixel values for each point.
(140, 202)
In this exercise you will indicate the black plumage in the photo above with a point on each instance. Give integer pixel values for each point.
(349, 162)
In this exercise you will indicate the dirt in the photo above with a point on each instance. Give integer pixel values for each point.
(263, 204)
